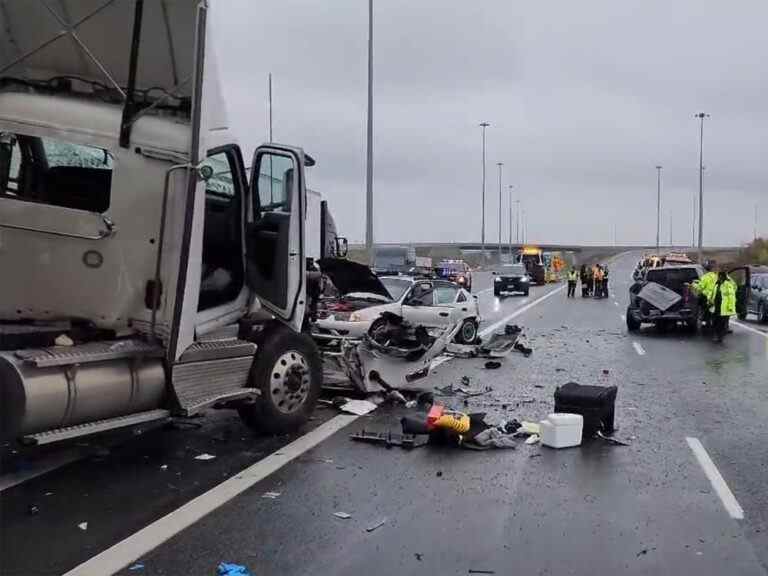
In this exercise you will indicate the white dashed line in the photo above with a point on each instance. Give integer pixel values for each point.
(150, 537)
(729, 501)
(749, 329)
(519, 311)
(638, 348)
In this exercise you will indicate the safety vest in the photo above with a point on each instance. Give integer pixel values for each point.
(706, 285)
(728, 304)
(572, 276)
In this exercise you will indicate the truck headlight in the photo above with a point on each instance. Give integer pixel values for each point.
(524, 279)
(497, 279)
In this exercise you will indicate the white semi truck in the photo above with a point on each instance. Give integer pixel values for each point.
(144, 274)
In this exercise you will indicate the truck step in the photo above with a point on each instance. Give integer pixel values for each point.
(201, 384)
(217, 350)
(90, 352)
(156, 416)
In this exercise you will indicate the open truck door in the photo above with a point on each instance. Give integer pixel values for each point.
(275, 232)
(742, 277)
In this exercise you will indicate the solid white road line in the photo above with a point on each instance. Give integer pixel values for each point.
(519, 311)
(638, 348)
(729, 501)
(749, 329)
(524, 308)
(150, 537)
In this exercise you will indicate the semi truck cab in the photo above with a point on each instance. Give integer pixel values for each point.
(146, 275)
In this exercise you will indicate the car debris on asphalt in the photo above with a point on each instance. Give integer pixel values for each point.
(376, 525)
(271, 495)
(205, 457)
(228, 569)
(343, 515)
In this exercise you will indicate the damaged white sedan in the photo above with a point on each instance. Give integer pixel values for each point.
(364, 297)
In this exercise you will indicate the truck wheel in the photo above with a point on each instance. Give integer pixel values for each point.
(496, 292)
(468, 332)
(289, 373)
(526, 291)
(762, 313)
(632, 324)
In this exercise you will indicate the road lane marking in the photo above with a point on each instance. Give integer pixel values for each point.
(520, 310)
(750, 329)
(525, 306)
(150, 537)
(638, 348)
(729, 501)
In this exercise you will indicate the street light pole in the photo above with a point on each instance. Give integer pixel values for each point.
(501, 166)
(483, 125)
(369, 143)
(510, 222)
(701, 116)
(658, 206)
(517, 225)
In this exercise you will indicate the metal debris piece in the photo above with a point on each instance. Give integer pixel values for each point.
(271, 495)
(389, 439)
(376, 525)
(342, 515)
(205, 457)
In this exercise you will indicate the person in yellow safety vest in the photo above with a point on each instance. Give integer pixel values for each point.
(572, 277)
(723, 304)
(704, 287)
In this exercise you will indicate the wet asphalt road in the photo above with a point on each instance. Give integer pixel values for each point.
(643, 509)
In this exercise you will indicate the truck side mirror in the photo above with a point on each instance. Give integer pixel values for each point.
(342, 247)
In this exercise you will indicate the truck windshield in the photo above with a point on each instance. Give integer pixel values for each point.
(55, 172)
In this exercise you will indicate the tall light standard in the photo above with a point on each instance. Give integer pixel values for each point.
(701, 116)
(517, 225)
(369, 143)
(510, 222)
(501, 166)
(658, 206)
(483, 125)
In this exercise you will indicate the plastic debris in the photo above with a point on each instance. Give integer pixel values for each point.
(492, 365)
(227, 569)
(271, 495)
(136, 567)
(33, 509)
(376, 525)
(530, 427)
(83, 526)
(358, 407)
(342, 515)
(493, 438)
(63, 340)
(532, 439)
(205, 457)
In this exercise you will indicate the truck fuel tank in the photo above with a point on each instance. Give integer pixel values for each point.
(39, 396)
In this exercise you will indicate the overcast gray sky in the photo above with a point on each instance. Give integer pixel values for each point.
(584, 99)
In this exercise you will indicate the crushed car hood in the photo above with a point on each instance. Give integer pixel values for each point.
(350, 277)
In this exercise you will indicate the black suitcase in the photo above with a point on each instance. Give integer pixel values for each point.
(595, 403)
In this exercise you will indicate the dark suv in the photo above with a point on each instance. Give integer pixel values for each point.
(664, 297)
(511, 278)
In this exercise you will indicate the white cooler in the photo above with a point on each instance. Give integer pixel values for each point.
(561, 430)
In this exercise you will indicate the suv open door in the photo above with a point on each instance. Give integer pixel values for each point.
(275, 232)
(742, 276)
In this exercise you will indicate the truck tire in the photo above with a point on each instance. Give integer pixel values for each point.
(497, 292)
(632, 324)
(288, 371)
(762, 313)
(526, 291)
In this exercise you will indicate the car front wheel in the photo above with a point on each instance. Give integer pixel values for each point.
(468, 331)
(633, 325)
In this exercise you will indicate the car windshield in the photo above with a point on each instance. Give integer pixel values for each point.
(396, 286)
(452, 267)
(672, 276)
(512, 270)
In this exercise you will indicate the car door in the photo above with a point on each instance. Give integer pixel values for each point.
(446, 310)
(275, 232)
(754, 294)
(741, 275)
(419, 305)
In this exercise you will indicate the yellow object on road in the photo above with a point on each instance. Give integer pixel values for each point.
(456, 421)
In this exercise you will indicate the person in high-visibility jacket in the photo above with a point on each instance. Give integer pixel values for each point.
(704, 288)
(573, 276)
(723, 304)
